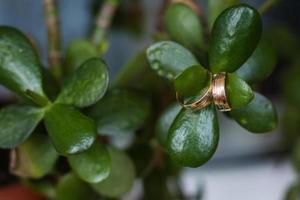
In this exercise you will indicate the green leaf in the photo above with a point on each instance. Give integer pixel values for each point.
(191, 80)
(184, 26)
(35, 158)
(121, 178)
(216, 7)
(77, 53)
(87, 85)
(20, 69)
(168, 58)
(193, 136)
(165, 121)
(17, 123)
(260, 65)
(258, 116)
(71, 187)
(70, 131)
(238, 92)
(92, 165)
(235, 35)
(120, 112)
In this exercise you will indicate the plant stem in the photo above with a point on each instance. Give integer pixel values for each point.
(267, 5)
(103, 21)
(52, 23)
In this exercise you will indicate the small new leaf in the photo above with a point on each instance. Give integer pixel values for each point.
(238, 92)
(17, 123)
(191, 81)
(87, 85)
(70, 131)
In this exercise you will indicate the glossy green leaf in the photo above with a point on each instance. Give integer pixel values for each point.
(238, 92)
(87, 85)
(70, 187)
(35, 158)
(92, 165)
(191, 80)
(193, 136)
(260, 65)
(258, 116)
(121, 178)
(235, 35)
(169, 59)
(216, 7)
(77, 53)
(17, 123)
(165, 121)
(20, 69)
(70, 131)
(184, 26)
(120, 112)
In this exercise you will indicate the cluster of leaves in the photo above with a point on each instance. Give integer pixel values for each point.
(191, 137)
(80, 121)
(48, 122)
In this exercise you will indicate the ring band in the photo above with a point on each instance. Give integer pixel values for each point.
(204, 101)
(219, 93)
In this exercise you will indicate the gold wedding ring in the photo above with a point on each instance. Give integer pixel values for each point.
(202, 102)
(219, 93)
(215, 93)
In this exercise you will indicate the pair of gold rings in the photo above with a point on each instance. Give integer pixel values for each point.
(215, 93)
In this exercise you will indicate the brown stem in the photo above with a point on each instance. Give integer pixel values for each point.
(52, 23)
(103, 21)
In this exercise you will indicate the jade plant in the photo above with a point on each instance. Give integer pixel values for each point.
(74, 134)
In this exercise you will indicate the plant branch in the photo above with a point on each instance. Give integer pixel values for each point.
(267, 5)
(52, 23)
(103, 21)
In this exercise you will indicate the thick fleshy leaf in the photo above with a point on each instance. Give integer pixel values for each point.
(257, 117)
(260, 65)
(70, 131)
(121, 177)
(70, 187)
(92, 165)
(35, 158)
(216, 7)
(17, 123)
(87, 85)
(235, 35)
(77, 53)
(169, 59)
(193, 136)
(120, 112)
(191, 80)
(238, 92)
(184, 26)
(20, 69)
(165, 121)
